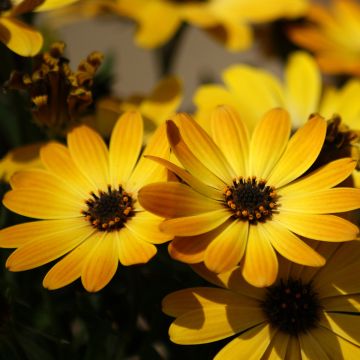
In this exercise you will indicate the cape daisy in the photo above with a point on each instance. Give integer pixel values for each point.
(87, 199)
(241, 199)
(309, 313)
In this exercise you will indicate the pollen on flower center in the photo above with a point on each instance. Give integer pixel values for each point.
(292, 307)
(108, 211)
(250, 199)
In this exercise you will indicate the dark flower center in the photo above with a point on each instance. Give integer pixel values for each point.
(251, 199)
(108, 211)
(5, 5)
(292, 307)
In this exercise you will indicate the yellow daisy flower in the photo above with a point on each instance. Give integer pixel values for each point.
(307, 314)
(87, 200)
(15, 34)
(242, 199)
(333, 36)
(226, 20)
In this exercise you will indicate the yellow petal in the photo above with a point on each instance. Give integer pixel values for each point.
(43, 248)
(204, 148)
(42, 204)
(293, 349)
(163, 100)
(268, 142)
(301, 152)
(90, 155)
(345, 303)
(227, 249)
(318, 227)
(69, 268)
(213, 323)
(146, 171)
(101, 263)
(20, 158)
(310, 347)
(145, 226)
(250, 345)
(335, 346)
(53, 4)
(325, 177)
(344, 325)
(321, 202)
(194, 183)
(290, 246)
(57, 159)
(232, 137)
(133, 250)
(180, 302)
(189, 160)
(196, 224)
(260, 265)
(174, 199)
(278, 346)
(19, 37)
(125, 145)
(303, 81)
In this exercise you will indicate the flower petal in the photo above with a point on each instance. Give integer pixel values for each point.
(69, 268)
(145, 227)
(345, 303)
(322, 178)
(57, 159)
(278, 346)
(101, 263)
(290, 246)
(43, 248)
(322, 202)
(227, 249)
(19, 37)
(260, 265)
(310, 347)
(133, 250)
(90, 155)
(213, 323)
(318, 227)
(42, 204)
(196, 224)
(174, 199)
(204, 148)
(250, 345)
(189, 160)
(125, 145)
(301, 152)
(268, 142)
(232, 137)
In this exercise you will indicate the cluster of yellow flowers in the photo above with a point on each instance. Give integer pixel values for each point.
(256, 190)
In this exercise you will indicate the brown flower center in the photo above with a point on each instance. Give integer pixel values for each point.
(292, 307)
(108, 211)
(251, 199)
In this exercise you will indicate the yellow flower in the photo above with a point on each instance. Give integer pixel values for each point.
(253, 91)
(15, 34)
(87, 200)
(307, 314)
(242, 199)
(226, 20)
(20, 158)
(333, 36)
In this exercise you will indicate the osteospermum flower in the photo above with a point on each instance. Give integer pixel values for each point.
(307, 314)
(227, 21)
(15, 34)
(332, 34)
(243, 199)
(86, 199)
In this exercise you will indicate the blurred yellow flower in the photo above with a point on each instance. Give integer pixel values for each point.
(307, 314)
(86, 199)
(333, 35)
(226, 20)
(20, 158)
(15, 34)
(243, 198)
